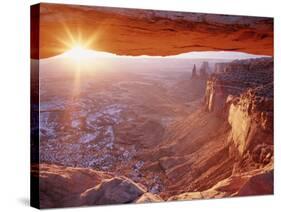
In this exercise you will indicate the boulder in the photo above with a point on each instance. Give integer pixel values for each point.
(260, 184)
(61, 186)
(149, 197)
(113, 191)
(257, 182)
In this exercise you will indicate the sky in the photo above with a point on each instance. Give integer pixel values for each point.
(87, 53)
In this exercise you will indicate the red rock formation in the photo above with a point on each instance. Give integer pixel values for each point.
(231, 151)
(67, 187)
(148, 32)
(232, 79)
(112, 191)
(251, 118)
(244, 91)
(257, 182)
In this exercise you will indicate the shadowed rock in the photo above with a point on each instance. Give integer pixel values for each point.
(113, 191)
(257, 182)
(68, 187)
(204, 70)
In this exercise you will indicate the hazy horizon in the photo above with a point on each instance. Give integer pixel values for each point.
(227, 55)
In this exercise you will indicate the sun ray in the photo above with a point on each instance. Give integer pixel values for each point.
(68, 32)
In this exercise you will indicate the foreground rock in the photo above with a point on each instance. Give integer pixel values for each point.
(143, 32)
(258, 182)
(112, 191)
(149, 197)
(67, 187)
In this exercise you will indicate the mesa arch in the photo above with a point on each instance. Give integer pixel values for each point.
(146, 32)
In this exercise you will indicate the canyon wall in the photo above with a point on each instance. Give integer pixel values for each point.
(224, 148)
(242, 93)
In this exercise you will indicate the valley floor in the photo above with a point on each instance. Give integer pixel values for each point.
(113, 121)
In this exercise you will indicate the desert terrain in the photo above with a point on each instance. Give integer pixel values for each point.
(126, 110)
(168, 135)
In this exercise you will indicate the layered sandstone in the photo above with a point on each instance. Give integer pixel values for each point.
(232, 79)
(243, 92)
(233, 141)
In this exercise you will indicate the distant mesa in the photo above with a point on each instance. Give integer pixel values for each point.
(204, 71)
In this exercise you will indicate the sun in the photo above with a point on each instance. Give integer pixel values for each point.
(78, 53)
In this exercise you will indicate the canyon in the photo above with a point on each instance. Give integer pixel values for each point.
(149, 136)
(136, 106)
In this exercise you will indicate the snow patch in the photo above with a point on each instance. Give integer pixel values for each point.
(76, 124)
(87, 138)
(47, 126)
(52, 105)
